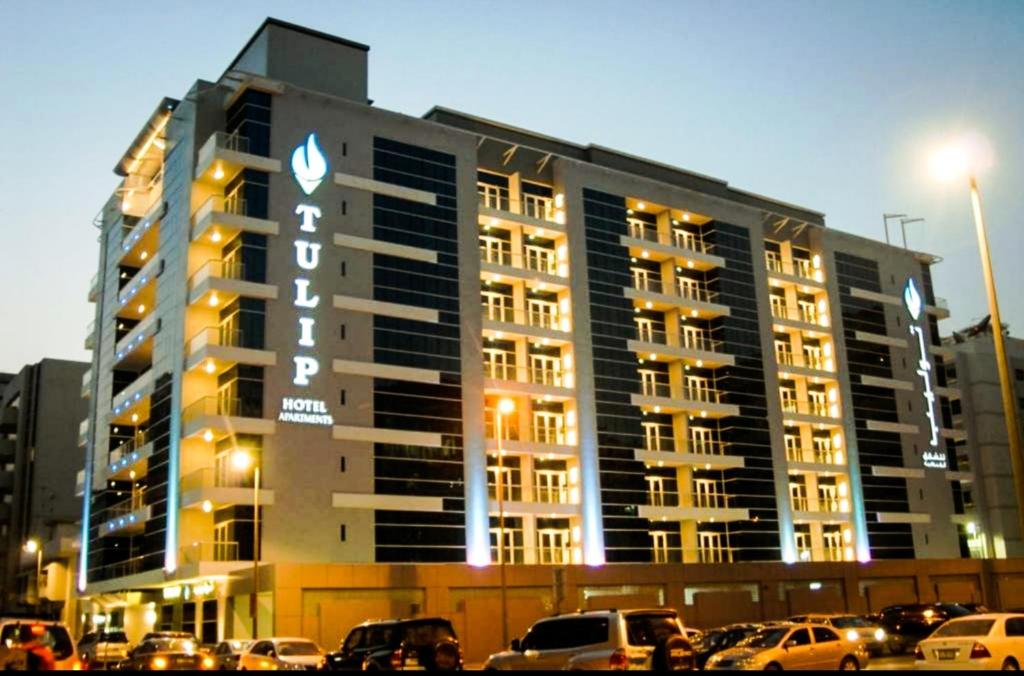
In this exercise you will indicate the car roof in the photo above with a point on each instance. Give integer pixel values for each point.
(986, 616)
(613, 611)
(286, 638)
(404, 620)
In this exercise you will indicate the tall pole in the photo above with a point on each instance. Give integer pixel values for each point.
(501, 532)
(1005, 384)
(39, 576)
(256, 552)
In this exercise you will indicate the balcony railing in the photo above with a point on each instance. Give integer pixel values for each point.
(496, 197)
(684, 340)
(533, 317)
(221, 406)
(681, 288)
(213, 477)
(800, 503)
(555, 495)
(534, 258)
(526, 374)
(510, 492)
(218, 268)
(681, 239)
(802, 314)
(549, 435)
(818, 408)
(197, 552)
(128, 447)
(227, 336)
(799, 267)
(232, 141)
(124, 507)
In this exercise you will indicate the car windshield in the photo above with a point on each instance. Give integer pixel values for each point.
(766, 638)
(238, 646)
(173, 645)
(964, 628)
(955, 610)
(427, 633)
(649, 630)
(850, 622)
(53, 636)
(297, 648)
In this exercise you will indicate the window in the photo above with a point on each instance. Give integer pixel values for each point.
(354, 640)
(689, 288)
(552, 545)
(824, 635)
(706, 494)
(710, 548)
(802, 539)
(643, 280)
(784, 351)
(773, 260)
(548, 428)
(702, 440)
(545, 370)
(495, 250)
(567, 633)
(697, 388)
(551, 485)
(799, 637)
(792, 444)
(828, 495)
(341, 463)
(653, 436)
(507, 477)
(512, 547)
(644, 329)
(1015, 625)
(499, 364)
(778, 305)
(650, 384)
(808, 311)
(694, 338)
(542, 313)
(342, 533)
(686, 240)
(659, 546)
(656, 491)
(540, 259)
(497, 306)
(832, 539)
(787, 393)
(1018, 374)
(798, 493)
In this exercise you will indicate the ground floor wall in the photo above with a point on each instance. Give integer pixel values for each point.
(323, 601)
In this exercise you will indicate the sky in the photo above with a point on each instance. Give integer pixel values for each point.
(835, 106)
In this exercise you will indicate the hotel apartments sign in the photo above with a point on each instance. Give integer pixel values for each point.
(309, 167)
(934, 456)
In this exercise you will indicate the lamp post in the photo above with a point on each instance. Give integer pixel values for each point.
(956, 161)
(242, 460)
(505, 406)
(32, 546)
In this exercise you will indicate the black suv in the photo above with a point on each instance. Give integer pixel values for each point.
(424, 643)
(908, 624)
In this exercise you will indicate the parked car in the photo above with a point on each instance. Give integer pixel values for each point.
(21, 638)
(990, 641)
(282, 654)
(166, 654)
(99, 649)
(908, 624)
(716, 640)
(423, 643)
(171, 634)
(601, 640)
(798, 646)
(226, 653)
(854, 627)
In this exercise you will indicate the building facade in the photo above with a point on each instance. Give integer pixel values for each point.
(40, 409)
(448, 340)
(979, 412)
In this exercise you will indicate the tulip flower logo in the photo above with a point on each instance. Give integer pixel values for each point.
(309, 165)
(912, 299)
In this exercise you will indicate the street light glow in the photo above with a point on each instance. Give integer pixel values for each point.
(964, 156)
(506, 406)
(241, 459)
(32, 546)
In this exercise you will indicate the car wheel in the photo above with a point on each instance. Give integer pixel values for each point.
(1010, 665)
(773, 666)
(849, 663)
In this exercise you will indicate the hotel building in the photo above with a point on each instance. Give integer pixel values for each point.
(449, 340)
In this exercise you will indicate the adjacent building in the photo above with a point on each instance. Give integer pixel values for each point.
(40, 410)
(330, 333)
(979, 413)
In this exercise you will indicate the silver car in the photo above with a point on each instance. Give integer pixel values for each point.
(103, 648)
(601, 640)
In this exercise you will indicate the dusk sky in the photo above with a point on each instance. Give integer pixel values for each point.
(835, 106)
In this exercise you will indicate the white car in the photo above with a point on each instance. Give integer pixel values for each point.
(600, 640)
(990, 641)
(282, 654)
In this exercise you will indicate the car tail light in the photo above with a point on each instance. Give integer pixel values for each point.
(207, 663)
(979, 652)
(618, 660)
(396, 659)
(918, 653)
(158, 664)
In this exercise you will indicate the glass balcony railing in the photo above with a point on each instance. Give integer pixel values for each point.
(798, 267)
(533, 258)
(805, 314)
(543, 319)
(682, 288)
(681, 239)
(198, 552)
(817, 408)
(554, 495)
(511, 492)
(218, 268)
(216, 477)
(129, 447)
(539, 207)
(687, 340)
(232, 141)
(536, 375)
(226, 336)
(221, 406)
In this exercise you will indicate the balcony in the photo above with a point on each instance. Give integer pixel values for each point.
(217, 348)
(218, 283)
(698, 401)
(694, 301)
(83, 432)
(538, 265)
(138, 296)
(669, 512)
(220, 489)
(80, 483)
(204, 552)
(691, 349)
(90, 335)
(222, 416)
(142, 239)
(135, 349)
(798, 271)
(940, 309)
(87, 383)
(804, 365)
(710, 455)
(127, 517)
(816, 459)
(548, 327)
(218, 220)
(814, 412)
(534, 381)
(224, 155)
(645, 241)
(805, 318)
(131, 457)
(131, 404)
(94, 288)
(536, 213)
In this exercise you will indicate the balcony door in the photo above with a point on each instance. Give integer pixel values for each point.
(803, 544)
(650, 384)
(685, 240)
(808, 312)
(653, 440)
(548, 427)
(643, 280)
(659, 546)
(499, 364)
(698, 388)
(710, 547)
(542, 313)
(644, 329)
(656, 491)
(688, 288)
(545, 370)
(511, 550)
(832, 539)
(783, 352)
(778, 305)
(706, 494)
(495, 250)
(693, 337)
(702, 440)
(792, 444)
(497, 306)
(798, 494)
(551, 485)
(552, 545)
(823, 449)
(788, 396)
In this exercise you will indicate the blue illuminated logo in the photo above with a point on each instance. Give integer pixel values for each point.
(309, 164)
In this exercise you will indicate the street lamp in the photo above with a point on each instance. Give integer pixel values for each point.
(885, 221)
(242, 460)
(32, 546)
(505, 407)
(957, 161)
(903, 227)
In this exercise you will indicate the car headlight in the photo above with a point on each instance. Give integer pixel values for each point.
(879, 634)
(852, 635)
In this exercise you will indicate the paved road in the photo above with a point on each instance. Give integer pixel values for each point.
(890, 663)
